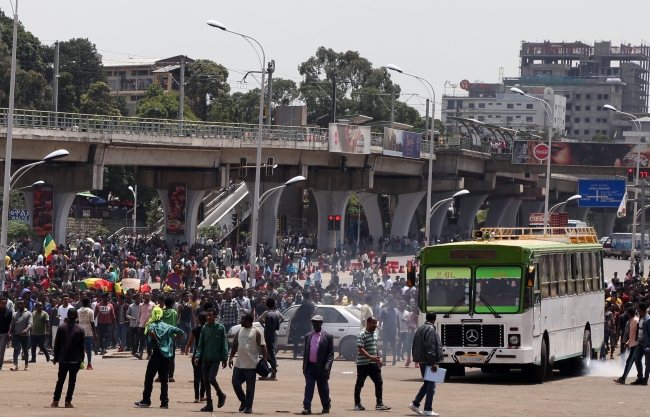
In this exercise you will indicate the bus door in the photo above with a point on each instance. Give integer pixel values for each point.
(537, 304)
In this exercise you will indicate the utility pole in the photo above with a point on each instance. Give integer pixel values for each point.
(392, 107)
(181, 92)
(333, 97)
(642, 265)
(427, 227)
(55, 79)
(270, 70)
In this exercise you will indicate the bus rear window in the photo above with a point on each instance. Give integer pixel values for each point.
(472, 254)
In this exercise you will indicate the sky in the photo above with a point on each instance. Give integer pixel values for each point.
(441, 41)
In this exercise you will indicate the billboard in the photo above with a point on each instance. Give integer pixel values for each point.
(176, 203)
(349, 139)
(580, 153)
(402, 143)
(601, 193)
(43, 206)
(19, 216)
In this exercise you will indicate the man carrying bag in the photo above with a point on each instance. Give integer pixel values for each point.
(427, 351)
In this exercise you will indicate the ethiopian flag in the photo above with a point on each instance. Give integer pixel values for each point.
(48, 246)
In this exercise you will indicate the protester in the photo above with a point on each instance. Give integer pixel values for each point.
(368, 365)
(6, 315)
(316, 365)
(69, 354)
(389, 323)
(212, 350)
(40, 329)
(271, 319)
(21, 325)
(427, 351)
(87, 323)
(248, 341)
(197, 367)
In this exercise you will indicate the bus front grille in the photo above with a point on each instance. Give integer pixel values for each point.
(472, 335)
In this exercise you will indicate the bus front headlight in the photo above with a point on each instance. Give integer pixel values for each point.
(513, 340)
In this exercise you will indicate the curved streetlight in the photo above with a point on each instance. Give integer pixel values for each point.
(637, 124)
(48, 158)
(30, 186)
(258, 162)
(574, 197)
(293, 180)
(549, 133)
(432, 97)
(135, 207)
(441, 202)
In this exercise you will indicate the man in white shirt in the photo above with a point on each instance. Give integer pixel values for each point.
(247, 343)
(318, 276)
(87, 322)
(243, 276)
(388, 283)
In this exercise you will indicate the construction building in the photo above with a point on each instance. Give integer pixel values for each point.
(589, 77)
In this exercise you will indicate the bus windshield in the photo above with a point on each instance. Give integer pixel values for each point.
(500, 288)
(447, 287)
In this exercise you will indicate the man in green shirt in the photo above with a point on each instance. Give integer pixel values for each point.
(368, 365)
(170, 317)
(40, 330)
(212, 349)
(161, 336)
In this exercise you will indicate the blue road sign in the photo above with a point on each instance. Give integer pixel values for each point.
(601, 193)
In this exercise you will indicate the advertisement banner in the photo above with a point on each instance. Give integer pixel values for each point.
(19, 216)
(349, 139)
(402, 143)
(43, 206)
(594, 154)
(176, 202)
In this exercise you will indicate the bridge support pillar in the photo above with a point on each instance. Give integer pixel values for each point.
(605, 222)
(578, 213)
(373, 216)
(439, 217)
(526, 208)
(268, 214)
(503, 212)
(406, 206)
(330, 202)
(192, 201)
(469, 206)
(61, 204)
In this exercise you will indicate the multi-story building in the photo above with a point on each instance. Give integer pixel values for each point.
(131, 77)
(493, 104)
(589, 77)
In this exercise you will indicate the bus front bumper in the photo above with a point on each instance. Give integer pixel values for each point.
(488, 356)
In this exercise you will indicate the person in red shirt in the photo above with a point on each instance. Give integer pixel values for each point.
(45, 283)
(105, 322)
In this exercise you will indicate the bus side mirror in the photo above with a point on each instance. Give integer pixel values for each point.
(410, 275)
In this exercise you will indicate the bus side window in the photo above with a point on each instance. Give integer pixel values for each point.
(586, 270)
(560, 270)
(595, 273)
(580, 280)
(552, 258)
(571, 284)
(543, 275)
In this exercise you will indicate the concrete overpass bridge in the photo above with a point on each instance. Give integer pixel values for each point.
(203, 155)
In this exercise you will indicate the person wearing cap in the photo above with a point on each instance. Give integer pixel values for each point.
(69, 354)
(317, 362)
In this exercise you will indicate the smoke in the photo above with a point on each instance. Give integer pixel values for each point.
(610, 368)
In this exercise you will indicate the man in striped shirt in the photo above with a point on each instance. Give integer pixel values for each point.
(368, 365)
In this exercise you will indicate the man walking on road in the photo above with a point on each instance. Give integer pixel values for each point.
(632, 343)
(368, 365)
(316, 365)
(6, 314)
(390, 327)
(212, 350)
(40, 330)
(21, 325)
(248, 341)
(427, 351)
(68, 353)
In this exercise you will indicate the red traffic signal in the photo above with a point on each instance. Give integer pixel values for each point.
(337, 222)
(330, 222)
(332, 217)
(337, 218)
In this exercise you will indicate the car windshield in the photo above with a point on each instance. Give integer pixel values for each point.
(354, 311)
(447, 287)
(288, 313)
(499, 288)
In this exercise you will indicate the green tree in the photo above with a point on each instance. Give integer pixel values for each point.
(439, 126)
(79, 58)
(17, 231)
(247, 106)
(158, 104)
(285, 92)
(599, 137)
(209, 231)
(32, 91)
(30, 54)
(67, 94)
(100, 231)
(99, 100)
(206, 84)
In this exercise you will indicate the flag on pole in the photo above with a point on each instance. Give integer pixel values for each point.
(48, 246)
(622, 207)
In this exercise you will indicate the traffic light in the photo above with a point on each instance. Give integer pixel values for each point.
(330, 222)
(337, 222)
(630, 174)
(410, 275)
(270, 161)
(644, 174)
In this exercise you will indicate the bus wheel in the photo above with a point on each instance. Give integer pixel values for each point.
(583, 363)
(538, 372)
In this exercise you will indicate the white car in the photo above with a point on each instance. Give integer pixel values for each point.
(341, 322)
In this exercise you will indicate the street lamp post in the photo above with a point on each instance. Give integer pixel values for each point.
(637, 124)
(9, 182)
(30, 186)
(573, 197)
(258, 163)
(549, 133)
(432, 96)
(135, 207)
(441, 202)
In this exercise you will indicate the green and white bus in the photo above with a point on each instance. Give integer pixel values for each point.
(515, 298)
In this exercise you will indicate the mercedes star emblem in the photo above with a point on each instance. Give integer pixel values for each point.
(471, 336)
